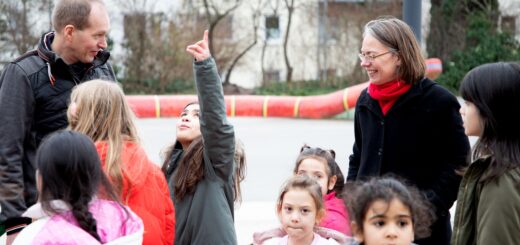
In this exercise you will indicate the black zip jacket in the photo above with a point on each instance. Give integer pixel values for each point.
(34, 96)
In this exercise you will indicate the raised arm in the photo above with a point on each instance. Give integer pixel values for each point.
(218, 134)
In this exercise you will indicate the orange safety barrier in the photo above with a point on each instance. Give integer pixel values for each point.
(318, 106)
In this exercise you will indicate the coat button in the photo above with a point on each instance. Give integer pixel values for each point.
(380, 151)
(382, 123)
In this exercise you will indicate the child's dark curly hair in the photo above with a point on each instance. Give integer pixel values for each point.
(359, 196)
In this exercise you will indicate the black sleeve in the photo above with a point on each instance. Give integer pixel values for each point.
(455, 148)
(354, 159)
(16, 112)
(218, 134)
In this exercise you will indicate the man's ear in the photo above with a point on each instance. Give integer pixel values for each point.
(68, 31)
(332, 182)
(356, 232)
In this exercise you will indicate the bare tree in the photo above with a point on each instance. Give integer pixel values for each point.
(156, 61)
(224, 46)
(17, 28)
(214, 15)
(255, 20)
(274, 8)
(289, 4)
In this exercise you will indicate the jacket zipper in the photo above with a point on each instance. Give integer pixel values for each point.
(460, 215)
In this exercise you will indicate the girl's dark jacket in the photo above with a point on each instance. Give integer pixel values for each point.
(420, 139)
(487, 212)
(207, 215)
(34, 96)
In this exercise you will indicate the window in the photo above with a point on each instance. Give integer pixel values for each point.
(272, 76)
(509, 24)
(272, 27)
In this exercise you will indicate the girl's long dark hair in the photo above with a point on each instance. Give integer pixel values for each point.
(495, 90)
(70, 170)
(190, 170)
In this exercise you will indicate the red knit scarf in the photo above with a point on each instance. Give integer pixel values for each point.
(388, 93)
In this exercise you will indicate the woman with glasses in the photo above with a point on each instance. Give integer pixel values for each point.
(406, 124)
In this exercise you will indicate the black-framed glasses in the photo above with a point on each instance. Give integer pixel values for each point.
(371, 57)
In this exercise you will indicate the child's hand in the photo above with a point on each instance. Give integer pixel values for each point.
(200, 50)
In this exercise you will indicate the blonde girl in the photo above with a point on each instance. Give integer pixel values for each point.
(99, 110)
(300, 209)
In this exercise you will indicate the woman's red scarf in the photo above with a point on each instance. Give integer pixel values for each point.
(388, 93)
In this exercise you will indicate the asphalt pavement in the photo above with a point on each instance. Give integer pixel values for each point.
(271, 146)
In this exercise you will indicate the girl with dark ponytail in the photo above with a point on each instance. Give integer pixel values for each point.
(70, 180)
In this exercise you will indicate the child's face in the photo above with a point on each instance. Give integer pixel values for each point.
(298, 214)
(387, 223)
(188, 125)
(471, 119)
(317, 169)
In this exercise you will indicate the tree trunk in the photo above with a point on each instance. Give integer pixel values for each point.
(290, 9)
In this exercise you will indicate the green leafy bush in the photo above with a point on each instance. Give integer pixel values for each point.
(484, 44)
(301, 88)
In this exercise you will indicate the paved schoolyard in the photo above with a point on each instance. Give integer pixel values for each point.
(271, 145)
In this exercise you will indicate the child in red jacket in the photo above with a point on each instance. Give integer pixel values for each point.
(99, 110)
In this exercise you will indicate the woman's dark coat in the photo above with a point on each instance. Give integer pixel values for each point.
(421, 139)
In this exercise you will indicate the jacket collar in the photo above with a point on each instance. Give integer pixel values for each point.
(36, 211)
(175, 157)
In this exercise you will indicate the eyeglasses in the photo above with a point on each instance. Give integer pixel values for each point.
(371, 57)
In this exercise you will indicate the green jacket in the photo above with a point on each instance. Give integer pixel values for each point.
(207, 215)
(487, 213)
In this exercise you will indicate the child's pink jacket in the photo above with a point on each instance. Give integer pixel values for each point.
(318, 240)
(114, 226)
(336, 216)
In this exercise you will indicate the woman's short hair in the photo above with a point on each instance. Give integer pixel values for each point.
(399, 37)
